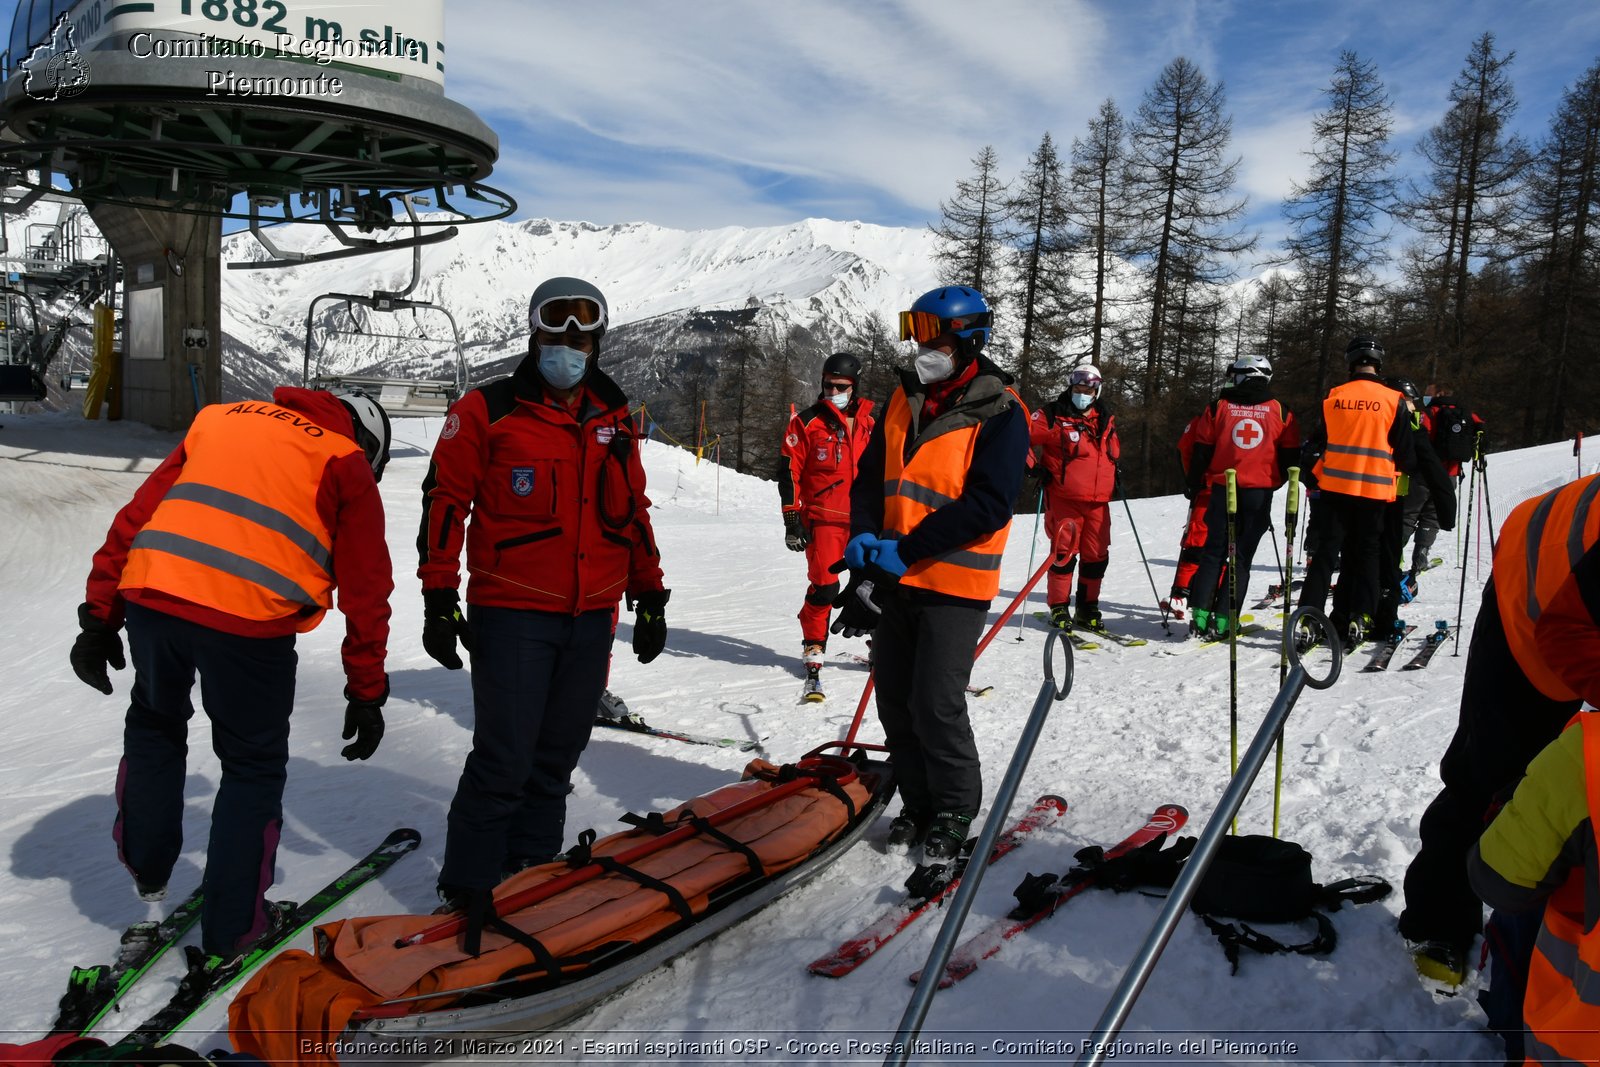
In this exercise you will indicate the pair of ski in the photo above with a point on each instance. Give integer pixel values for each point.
(94, 991)
(1086, 639)
(855, 951)
(1386, 649)
(1247, 627)
(613, 712)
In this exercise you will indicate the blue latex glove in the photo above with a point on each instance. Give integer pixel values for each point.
(887, 559)
(859, 552)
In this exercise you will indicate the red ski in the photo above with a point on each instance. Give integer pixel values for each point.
(856, 951)
(1167, 819)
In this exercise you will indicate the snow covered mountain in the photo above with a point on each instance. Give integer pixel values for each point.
(819, 277)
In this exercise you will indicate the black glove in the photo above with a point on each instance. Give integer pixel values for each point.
(363, 720)
(1036, 475)
(795, 534)
(858, 610)
(97, 647)
(442, 624)
(649, 623)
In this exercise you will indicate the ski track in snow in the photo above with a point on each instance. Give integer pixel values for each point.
(1139, 728)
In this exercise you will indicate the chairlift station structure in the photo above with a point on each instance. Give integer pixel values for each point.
(165, 118)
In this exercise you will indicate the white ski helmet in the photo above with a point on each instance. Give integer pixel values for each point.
(1088, 374)
(1244, 368)
(371, 428)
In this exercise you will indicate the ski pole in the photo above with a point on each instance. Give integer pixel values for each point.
(1461, 597)
(1134, 527)
(1232, 477)
(1038, 509)
(1291, 522)
(1488, 507)
(961, 904)
(1205, 850)
(1272, 532)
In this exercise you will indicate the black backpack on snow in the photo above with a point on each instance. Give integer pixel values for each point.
(1455, 438)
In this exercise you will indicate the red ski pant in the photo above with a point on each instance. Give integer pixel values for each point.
(1194, 541)
(1094, 545)
(825, 548)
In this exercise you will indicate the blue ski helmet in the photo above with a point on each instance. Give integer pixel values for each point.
(955, 309)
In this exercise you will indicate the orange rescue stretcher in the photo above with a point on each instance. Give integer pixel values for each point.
(565, 936)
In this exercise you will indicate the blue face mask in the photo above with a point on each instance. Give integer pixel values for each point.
(561, 366)
(1081, 401)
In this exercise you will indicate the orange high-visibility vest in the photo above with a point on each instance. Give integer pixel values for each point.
(1541, 542)
(1562, 1005)
(238, 531)
(915, 488)
(1358, 460)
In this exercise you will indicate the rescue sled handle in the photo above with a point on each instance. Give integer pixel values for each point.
(811, 771)
(1011, 609)
(1205, 850)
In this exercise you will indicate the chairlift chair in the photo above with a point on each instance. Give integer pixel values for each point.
(400, 396)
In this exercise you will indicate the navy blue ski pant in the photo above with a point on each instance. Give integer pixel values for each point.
(922, 661)
(247, 690)
(1250, 523)
(536, 682)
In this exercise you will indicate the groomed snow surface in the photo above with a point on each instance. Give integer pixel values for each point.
(1140, 728)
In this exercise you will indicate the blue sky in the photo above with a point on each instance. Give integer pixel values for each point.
(718, 112)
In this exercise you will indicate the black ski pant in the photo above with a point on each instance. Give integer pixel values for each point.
(1250, 523)
(247, 690)
(1421, 519)
(1360, 525)
(537, 678)
(1504, 722)
(922, 655)
(1323, 537)
(1391, 548)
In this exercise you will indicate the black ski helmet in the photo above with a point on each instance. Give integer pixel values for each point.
(1364, 351)
(842, 365)
(1407, 387)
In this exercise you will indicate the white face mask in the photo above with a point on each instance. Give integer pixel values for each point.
(1081, 401)
(561, 366)
(933, 365)
(840, 400)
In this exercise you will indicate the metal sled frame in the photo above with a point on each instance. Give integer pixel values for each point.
(399, 396)
(543, 1010)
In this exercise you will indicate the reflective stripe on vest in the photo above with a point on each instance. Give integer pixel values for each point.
(1541, 542)
(1562, 1006)
(1358, 460)
(933, 477)
(239, 532)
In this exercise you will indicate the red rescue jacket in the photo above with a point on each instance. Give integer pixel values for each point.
(819, 457)
(1248, 432)
(559, 517)
(1080, 449)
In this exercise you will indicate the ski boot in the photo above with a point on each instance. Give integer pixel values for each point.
(906, 831)
(1408, 587)
(1087, 617)
(945, 836)
(811, 692)
(150, 892)
(1442, 965)
(1061, 617)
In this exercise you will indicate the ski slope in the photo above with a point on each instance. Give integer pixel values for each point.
(1140, 728)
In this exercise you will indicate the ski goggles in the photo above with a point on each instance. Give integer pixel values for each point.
(562, 313)
(924, 326)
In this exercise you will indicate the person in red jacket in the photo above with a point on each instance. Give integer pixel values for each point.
(821, 448)
(1194, 531)
(537, 477)
(1244, 430)
(1076, 445)
(231, 547)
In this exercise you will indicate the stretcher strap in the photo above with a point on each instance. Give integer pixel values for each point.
(675, 898)
(733, 844)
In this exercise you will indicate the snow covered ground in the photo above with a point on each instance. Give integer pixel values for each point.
(1140, 728)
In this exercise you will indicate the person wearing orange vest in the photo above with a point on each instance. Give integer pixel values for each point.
(929, 513)
(1244, 430)
(1540, 857)
(1534, 657)
(231, 547)
(1075, 436)
(537, 485)
(1365, 444)
(818, 465)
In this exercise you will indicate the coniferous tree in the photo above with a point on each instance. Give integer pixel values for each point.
(1095, 207)
(877, 345)
(972, 229)
(1041, 294)
(1181, 218)
(1462, 206)
(1335, 215)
